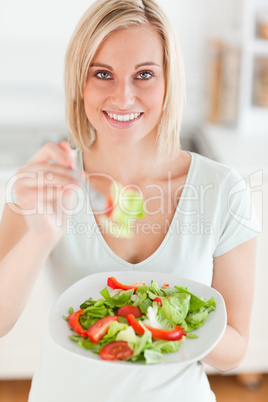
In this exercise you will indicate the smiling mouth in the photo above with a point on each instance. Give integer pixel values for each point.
(123, 117)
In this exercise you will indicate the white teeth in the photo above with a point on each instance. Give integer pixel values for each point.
(123, 117)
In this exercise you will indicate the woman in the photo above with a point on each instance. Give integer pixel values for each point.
(124, 95)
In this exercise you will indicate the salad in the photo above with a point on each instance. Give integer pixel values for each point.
(138, 323)
(123, 206)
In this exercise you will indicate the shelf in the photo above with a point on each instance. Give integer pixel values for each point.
(237, 92)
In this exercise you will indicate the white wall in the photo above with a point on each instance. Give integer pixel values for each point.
(34, 36)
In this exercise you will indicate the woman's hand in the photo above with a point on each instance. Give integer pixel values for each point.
(45, 188)
(29, 231)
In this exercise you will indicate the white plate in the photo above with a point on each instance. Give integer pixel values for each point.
(191, 350)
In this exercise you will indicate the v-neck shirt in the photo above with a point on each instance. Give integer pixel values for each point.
(214, 215)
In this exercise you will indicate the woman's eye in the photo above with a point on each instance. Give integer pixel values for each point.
(145, 75)
(102, 75)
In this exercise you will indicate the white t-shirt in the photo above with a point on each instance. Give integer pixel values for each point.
(213, 216)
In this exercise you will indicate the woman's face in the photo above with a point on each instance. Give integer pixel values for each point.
(125, 89)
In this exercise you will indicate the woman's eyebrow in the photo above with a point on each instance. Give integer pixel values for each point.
(101, 65)
(146, 63)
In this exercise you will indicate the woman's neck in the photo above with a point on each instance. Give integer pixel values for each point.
(126, 164)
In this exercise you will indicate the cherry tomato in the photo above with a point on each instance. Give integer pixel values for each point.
(97, 331)
(125, 310)
(117, 350)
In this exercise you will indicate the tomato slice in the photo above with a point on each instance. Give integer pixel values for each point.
(74, 323)
(128, 309)
(174, 334)
(109, 206)
(97, 331)
(116, 350)
(158, 301)
(166, 285)
(114, 284)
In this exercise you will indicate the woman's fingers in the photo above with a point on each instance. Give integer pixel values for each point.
(29, 198)
(43, 174)
(62, 154)
(32, 187)
(46, 188)
(42, 179)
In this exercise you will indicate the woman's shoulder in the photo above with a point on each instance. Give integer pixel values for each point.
(209, 170)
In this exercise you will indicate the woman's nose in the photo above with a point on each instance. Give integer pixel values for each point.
(123, 95)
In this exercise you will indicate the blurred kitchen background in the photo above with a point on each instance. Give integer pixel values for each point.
(224, 44)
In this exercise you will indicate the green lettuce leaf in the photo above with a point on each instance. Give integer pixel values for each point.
(87, 303)
(87, 322)
(142, 344)
(168, 290)
(155, 289)
(196, 302)
(86, 344)
(167, 346)
(97, 310)
(114, 328)
(119, 299)
(128, 204)
(155, 320)
(196, 319)
(142, 300)
(128, 335)
(175, 308)
(153, 356)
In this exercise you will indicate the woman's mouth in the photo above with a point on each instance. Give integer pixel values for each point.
(122, 120)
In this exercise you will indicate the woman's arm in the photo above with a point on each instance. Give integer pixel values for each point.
(233, 277)
(22, 255)
(30, 231)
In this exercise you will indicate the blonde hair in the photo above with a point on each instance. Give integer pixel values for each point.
(101, 19)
